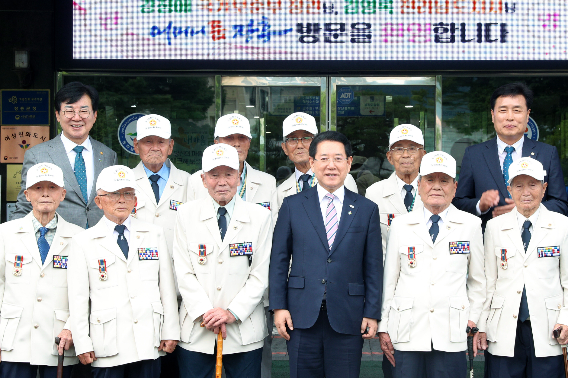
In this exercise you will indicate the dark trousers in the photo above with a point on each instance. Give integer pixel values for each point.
(139, 369)
(169, 365)
(25, 370)
(387, 368)
(433, 364)
(320, 351)
(524, 364)
(236, 365)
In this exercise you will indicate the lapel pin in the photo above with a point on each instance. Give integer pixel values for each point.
(532, 153)
(351, 206)
(171, 186)
(101, 152)
(234, 228)
(137, 236)
(349, 213)
(448, 227)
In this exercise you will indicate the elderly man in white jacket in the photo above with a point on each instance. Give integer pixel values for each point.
(121, 287)
(527, 282)
(222, 251)
(33, 281)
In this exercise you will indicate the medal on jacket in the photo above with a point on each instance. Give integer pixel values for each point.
(18, 266)
(202, 259)
(390, 217)
(504, 258)
(103, 270)
(412, 257)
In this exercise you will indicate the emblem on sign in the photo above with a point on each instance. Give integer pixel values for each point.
(504, 264)
(202, 259)
(59, 262)
(18, 265)
(412, 257)
(103, 270)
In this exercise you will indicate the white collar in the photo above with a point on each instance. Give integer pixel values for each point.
(230, 206)
(111, 225)
(443, 215)
(339, 193)
(69, 145)
(401, 183)
(299, 173)
(521, 218)
(518, 145)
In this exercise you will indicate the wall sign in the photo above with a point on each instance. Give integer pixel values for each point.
(25, 107)
(16, 140)
(13, 181)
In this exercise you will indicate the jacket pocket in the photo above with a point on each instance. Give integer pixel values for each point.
(356, 289)
(495, 311)
(553, 307)
(60, 317)
(296, 282)
(400, 319)
(158, 322)
(9, 320)
(459, 312)
(185, 323)
(253, 328)
(103, 332)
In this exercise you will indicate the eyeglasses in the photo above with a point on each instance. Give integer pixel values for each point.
(70, 113)
(336, 160)
(294, 141)
(411, 150)
(115, 196)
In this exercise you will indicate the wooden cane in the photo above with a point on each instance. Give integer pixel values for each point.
(60, 358)
(219, 364)
(565, 360)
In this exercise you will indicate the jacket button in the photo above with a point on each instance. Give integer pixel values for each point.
(36, 326)
(519, 292)
(515, 316)
(435, 258)
(431, 310)
(220, 261)
(559, 307)
(135, 321)
(129, 270)
(42, 275)
(328, 260)
(157, 215)
(219, 288)
(98, 320)
(463, 307)
(39, 299)
(323, 281)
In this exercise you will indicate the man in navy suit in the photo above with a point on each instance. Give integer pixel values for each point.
(481, 188)
(331, 299)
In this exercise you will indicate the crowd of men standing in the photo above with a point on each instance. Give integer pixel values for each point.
(138, 270)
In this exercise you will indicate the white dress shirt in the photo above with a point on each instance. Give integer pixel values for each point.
(299, 173)
(443, 215)
(87, 157)
(229, 207)
(111, 225)
(339, 195)
(401, 185)
(521, 220)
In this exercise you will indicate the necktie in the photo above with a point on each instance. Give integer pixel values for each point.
(80, 171)
(305, 178)
(331, 223)
(434, 228)
(222, 222)
(507, 163)
(408, 197)
(526, 238)
(121, 240)
(154, 179)
(42, 244)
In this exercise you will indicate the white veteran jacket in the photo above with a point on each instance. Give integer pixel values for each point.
(545, 280)
(134, 307)
(289, 187)
(260, 189)
(222, 280)
(35, 306)
(386, 194)
(177, 192)
(428, 305)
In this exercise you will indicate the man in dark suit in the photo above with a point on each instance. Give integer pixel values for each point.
(80, 157)
(331, 299)
(481, 187)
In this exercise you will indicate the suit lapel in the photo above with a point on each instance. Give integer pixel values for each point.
(390, 193)
(26, 231)
(492, 159)
(289, 186)
(59, 155)
(416, 224)
(171, 186)
(238, 218)
(348, 213)
(313, 211)
(138, 231)
(107, 240)
(509, 227)
(529, 148)
(60, 240)
(208, 216)
(541, 230)
(98, 160)
(143, 182)
(252, 183)
(453, 220)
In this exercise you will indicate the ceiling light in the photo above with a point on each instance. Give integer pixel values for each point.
(408, 106)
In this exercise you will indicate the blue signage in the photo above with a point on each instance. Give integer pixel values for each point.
(25, 107)
(532, 129)
(127, 132)
(308, 104)
(345, 95)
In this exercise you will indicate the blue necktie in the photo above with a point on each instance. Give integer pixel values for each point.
(305, 178)
(434, 228)
(42, 244)
(154, 179)
(81, 172)
(408, 197)
(222, 222)
(121, 240)
(506, 164)
(526, 238)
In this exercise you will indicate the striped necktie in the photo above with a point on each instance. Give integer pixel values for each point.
(331, 222)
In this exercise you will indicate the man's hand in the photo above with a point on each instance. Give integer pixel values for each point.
(472, 325)
(489, 199)
(499, 210)
(222, 329)
(563, 339)
(482, 341)
(65, 341)
(386, 346)
(87, 358)
(215, 317)
(369, 328)
(281, 319)
(168, 346)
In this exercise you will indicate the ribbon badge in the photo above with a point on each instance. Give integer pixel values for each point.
(390, 217)
(504, 264)
(412, 257)
(18, 265)
(202, 259)
(103, 270)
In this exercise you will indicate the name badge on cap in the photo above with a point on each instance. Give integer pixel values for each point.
(18, 265)
(174, 204)
(504, 264)
(459, 247)
(148, 253)
(103, 270)
(548, 251)
(202, 259)
(412, 257)
(59, 262)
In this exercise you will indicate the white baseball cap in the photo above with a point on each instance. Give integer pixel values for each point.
(527, 166)
(438, 161)
(230, 124)
(116, 177)
(153, 124)
(406, 132)
(299, 121)
(44, 172)
(220, 154)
